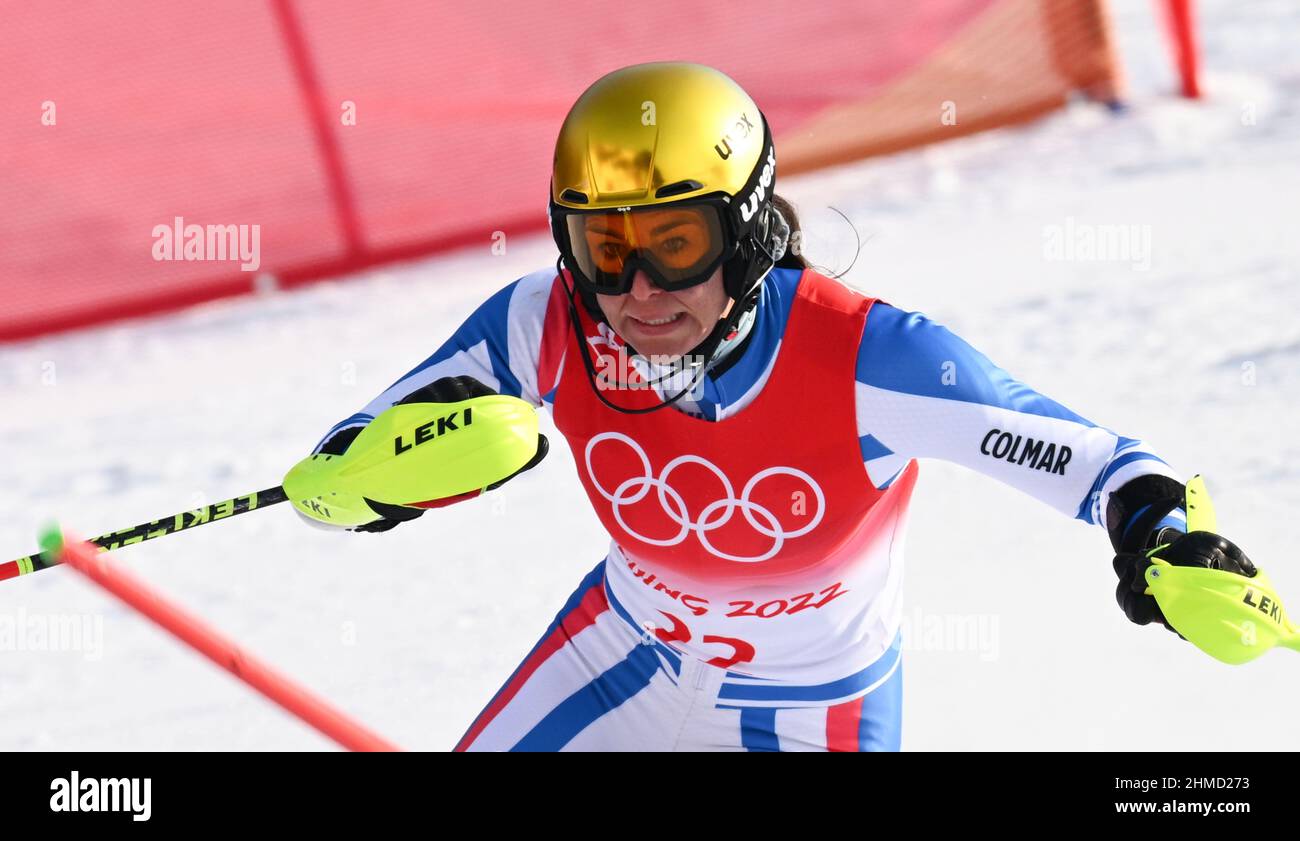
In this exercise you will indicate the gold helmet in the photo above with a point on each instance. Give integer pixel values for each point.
(666, 146)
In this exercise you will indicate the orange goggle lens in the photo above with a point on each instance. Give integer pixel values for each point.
(680, 244)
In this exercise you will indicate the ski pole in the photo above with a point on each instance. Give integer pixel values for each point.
(154, 528)
(410, 453)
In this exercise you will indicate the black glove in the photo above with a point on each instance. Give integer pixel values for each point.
(1134, 513)
(389, 516)
(1197, 548)
(445, 390)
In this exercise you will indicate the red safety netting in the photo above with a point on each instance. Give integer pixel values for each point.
(118, 118)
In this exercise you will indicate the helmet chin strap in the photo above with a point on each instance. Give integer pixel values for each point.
(704, 351)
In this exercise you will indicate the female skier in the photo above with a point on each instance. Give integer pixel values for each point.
(747, 431)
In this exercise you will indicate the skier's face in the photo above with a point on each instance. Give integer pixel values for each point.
(661, 323)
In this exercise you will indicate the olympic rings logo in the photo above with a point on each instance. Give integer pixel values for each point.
(715, 515)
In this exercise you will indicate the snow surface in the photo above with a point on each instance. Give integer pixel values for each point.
(413, 630)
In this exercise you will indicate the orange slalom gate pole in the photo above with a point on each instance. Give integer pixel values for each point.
(1181, 16)
(95, 564)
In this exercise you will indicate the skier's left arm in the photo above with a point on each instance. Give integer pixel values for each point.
(922, 391)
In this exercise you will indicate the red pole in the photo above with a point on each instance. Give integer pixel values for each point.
(322, 125)
(1182, 27)
(192, 631)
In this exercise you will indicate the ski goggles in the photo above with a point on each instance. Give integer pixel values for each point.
(678, 246)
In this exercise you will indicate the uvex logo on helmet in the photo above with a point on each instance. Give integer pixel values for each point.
(756, 197)
(741, 130)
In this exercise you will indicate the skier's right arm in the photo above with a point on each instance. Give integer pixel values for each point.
(494, 351)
